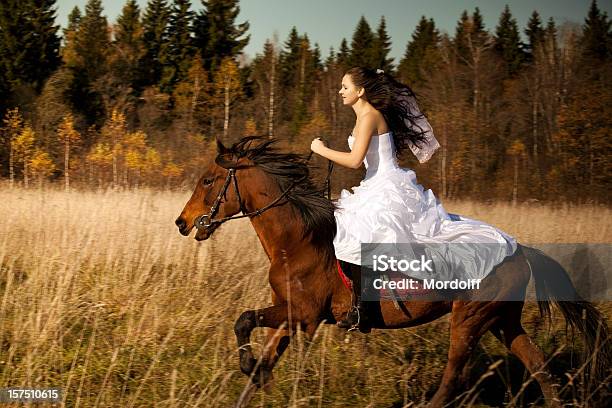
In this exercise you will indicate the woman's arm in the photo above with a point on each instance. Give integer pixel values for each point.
(352, 160)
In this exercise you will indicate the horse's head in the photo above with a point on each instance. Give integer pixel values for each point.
(214, 197)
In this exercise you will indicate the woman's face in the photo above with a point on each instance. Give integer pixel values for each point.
(349, 92)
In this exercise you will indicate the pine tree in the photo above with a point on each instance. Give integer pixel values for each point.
(29, 43)
(69, 54)
(534, 33)
(507, 42)
(128, 47)
(470, 34)
(344, 54)
(154, 39)
(92, 41)
(424, 39)
(180, 48)
(382, 48)
(289, 61)
(362, 46)
(45, 58)
(217, 36)
(596, 34)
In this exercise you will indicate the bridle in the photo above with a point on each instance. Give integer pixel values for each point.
(206, 220)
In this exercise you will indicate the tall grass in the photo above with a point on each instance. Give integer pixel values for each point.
(102, 297)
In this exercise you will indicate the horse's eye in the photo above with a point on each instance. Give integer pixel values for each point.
(207, 181)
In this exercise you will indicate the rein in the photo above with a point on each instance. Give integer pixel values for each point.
(206, 220)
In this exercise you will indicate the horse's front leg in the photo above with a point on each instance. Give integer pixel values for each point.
(274, 317)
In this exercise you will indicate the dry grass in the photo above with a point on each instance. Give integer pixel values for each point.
(102, 297)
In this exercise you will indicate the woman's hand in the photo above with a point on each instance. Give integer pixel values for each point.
(316, 145)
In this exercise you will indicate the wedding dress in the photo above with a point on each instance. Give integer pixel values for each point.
(389, 206)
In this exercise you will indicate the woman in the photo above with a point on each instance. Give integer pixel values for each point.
(389, 206)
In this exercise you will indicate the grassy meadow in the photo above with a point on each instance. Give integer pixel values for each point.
(102, 297)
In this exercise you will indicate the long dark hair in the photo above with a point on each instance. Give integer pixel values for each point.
(396, 102)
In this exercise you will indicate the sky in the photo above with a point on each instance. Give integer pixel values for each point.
(328, 21)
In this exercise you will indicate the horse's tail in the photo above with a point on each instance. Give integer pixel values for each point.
(553, 284)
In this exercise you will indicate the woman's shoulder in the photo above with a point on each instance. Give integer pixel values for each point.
(375, 121)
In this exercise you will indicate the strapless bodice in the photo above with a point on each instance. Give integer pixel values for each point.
(380, 157)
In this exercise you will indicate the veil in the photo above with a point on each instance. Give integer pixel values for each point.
(418, 122)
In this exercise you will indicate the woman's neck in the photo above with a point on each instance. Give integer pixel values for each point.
(362, 107)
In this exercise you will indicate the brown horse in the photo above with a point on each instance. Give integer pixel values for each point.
(296, 227)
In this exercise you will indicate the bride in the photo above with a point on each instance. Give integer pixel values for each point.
(389, 206)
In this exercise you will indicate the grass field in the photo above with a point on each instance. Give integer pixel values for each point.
(102, 297)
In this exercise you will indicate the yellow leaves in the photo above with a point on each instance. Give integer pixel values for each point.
(517, 148)
(66, 131)
(250, 127)
(191, 93)
(172, 170)
(23, 144)
(41, 164)
(101, 154)
(227, 78)
(115, 127)
(152, 159)
(13, 122)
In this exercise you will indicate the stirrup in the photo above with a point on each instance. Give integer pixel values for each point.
(355, 311)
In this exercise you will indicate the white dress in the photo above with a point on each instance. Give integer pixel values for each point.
(389, 206)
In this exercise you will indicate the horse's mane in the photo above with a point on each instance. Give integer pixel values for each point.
(290, 169)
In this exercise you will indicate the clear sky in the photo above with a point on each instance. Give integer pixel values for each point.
(328, 21)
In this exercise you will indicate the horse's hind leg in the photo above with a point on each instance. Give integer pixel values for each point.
(510, 332)
(469, 321)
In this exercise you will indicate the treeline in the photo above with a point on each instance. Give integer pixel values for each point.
(140, 101)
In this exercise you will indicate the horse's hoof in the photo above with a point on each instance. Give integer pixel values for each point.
(262, 378)
(247, 363)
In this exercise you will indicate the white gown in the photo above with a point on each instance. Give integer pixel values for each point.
(389, 206)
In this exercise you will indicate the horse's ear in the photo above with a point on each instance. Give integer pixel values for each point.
(220, 148)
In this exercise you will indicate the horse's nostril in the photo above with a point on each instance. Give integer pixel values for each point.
(179, 222)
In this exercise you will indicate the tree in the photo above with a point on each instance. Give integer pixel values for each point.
(134, 151)
(180, 48)
(128, 48)
(92, 41)
(507, 42)
(69, 53)
(382, 48)
(41, 165)
(113, 134)
(596, 34)
(344, 55)
(534, 33)
(68, 136)
(29, 43)
(362, 46)
(154, 39)
(13, 126)
(217, 35)
(227, 88)
(23, 147)
(265, 75)
(191, 95)
(469, 34)
(424, 39)
(517, 152)
(101, 157)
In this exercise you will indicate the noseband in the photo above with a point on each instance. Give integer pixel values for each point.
(206, 220)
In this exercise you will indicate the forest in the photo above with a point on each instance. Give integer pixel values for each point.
(523, 114)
